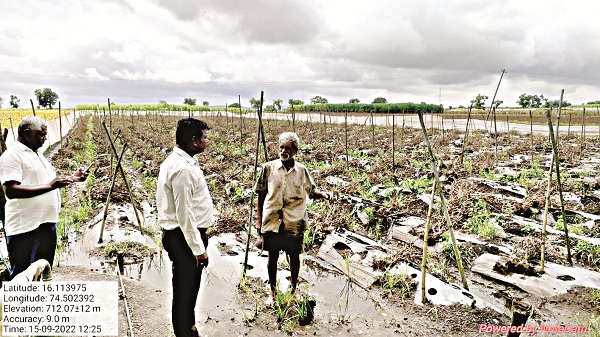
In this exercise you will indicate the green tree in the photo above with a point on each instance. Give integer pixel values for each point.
(354, 100)
(204, 103)
(497, 103)
(189, 101)
(555, 103)
(46, 98)
(14, 101)
(295, 102)
(254, 103)
(277, 104)
(1, 100)
(531, 101)
(234, 105)
(379, 100)
(479, 101)
(319, 100)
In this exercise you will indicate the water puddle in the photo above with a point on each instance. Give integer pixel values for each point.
(337, 298)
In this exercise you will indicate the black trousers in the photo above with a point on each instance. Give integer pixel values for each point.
(186, 280)
(26, 248)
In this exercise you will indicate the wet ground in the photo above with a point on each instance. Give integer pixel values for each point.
(343, 307)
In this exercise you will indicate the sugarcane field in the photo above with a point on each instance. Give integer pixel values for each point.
(441, 222)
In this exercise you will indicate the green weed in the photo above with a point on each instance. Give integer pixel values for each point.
(479, 222)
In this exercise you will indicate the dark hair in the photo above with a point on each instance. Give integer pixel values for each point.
(188, 128)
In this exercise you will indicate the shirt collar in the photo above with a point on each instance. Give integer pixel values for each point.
(279, 164)
(23, 147)
(189, 159)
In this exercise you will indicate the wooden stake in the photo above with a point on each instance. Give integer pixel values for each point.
(112, 186)
(32, 107)
(560, 194)
(443, 203)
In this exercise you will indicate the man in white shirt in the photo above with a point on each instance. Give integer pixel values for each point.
(33, 200)
(185, 211)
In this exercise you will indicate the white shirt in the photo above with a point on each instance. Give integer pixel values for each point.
(20, 163)
(183, 199)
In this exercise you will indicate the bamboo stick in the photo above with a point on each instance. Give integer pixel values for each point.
(120, 168)
(241, 125)
(60, 126)
(582, 134)
(393, 142)
(494, 97)
(560, 194)
(425, 246)
(466, 137)
(531, 134)
(346, 133)
(373, 128)
(32, 107)
(443, 203)
(251, 215)
(112, 186)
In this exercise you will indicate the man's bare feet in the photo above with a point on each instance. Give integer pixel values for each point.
(269, 302)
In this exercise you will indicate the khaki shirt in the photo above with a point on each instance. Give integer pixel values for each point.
(286, 196)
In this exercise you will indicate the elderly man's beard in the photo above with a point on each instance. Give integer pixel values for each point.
(285, 156)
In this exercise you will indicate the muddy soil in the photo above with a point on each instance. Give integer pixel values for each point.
(364, 169)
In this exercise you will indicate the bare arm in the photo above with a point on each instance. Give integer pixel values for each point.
(259, 209)
(14, 189)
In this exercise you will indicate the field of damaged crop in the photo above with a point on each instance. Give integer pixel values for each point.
(504, 244)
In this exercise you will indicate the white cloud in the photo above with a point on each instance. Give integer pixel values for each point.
(339, 49)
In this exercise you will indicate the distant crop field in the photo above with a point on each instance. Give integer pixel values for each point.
(12, 117)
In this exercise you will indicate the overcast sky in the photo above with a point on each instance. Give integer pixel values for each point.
(143, 51)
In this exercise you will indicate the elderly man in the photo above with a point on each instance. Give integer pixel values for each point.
(185, 211)
(283, 187)
(33, 200)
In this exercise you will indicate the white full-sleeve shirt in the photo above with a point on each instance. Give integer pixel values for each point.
(20, 163)
(183, 199)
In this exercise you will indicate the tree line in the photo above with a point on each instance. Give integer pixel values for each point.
(46, 98)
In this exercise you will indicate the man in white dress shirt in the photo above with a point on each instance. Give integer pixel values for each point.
(33, 199)
(185, 211)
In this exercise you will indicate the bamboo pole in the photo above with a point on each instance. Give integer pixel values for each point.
(251, 215)
(531, 134)
(443, 203)
(32, 107)
(12, 128)
(443, 131)
(346, 133)
(120, 169)
(495, 135)
(241, 124)
(262, 127)
(425, 240)
(373, 128)
(60, 125)
(494, 97)
(560, 194)
(393, 142)
(466, 137)
(582, 146)
(109, 114)
(112, 186)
